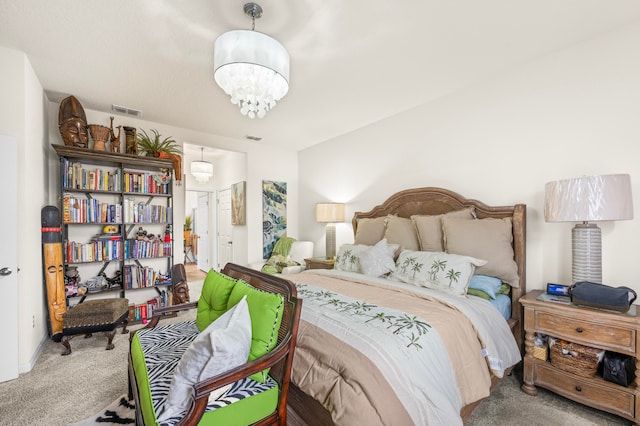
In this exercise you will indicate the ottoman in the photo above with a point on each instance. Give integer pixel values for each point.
(93, 316)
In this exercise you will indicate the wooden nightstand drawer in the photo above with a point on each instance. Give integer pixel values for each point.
(617, 400)
(604, 336)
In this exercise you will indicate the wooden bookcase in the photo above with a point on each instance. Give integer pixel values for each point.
(133, 196)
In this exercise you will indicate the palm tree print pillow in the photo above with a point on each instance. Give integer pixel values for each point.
(347, 258)
(446, 272)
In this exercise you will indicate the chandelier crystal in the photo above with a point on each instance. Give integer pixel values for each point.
(251, 67)
(201, 170)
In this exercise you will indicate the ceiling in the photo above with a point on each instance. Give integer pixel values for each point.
(352, 62)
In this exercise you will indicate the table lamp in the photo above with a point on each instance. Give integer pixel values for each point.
(588, 199)
(330, 213)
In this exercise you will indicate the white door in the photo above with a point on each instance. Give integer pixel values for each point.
(9, 258)
(202, 229)
(225, 229)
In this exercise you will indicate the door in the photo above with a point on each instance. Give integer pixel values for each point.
(202, 229)
(9, 258)
(225, 230)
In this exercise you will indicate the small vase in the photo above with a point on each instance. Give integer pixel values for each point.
(131, 140)
(100, 135)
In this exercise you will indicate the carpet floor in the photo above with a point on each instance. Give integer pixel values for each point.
(61, 390)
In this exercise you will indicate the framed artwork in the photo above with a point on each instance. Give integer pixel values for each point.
(274, 214)
(238, 209)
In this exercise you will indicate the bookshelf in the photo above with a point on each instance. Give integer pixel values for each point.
(117, 224)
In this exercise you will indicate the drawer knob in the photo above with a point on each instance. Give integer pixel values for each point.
(578, 388)
(579, 330)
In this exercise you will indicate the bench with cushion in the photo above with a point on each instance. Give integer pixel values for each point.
(231, 366)
(93, 316)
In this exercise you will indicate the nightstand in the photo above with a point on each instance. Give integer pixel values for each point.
(601, 329)
(319, 263)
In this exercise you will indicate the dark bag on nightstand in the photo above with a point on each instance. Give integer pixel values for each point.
(602, 296)
(618, 368)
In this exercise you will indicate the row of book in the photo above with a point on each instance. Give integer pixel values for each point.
(134, 276)
(94, 251)
(147, 183)
(89, 210)
(136, 249)
(76, 176)
(145, 213)
(102, 250)
(144, 311)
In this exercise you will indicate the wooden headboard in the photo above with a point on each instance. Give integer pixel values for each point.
(433, 201)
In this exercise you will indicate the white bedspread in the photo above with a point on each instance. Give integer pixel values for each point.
(407, 350)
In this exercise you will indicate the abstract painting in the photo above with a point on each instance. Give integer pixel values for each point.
(274, 214)
(238, 209)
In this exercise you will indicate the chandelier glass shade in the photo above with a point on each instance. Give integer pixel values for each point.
(201, 170)
(252, 68)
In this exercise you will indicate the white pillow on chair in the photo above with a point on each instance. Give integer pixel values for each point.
(220, 347)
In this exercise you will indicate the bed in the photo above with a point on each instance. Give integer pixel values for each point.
(450, 349)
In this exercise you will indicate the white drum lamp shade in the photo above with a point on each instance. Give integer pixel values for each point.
(253, 69)
(588, 199)
(330, 213)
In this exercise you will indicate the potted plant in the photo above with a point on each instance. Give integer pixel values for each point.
(187, 230)
(151, 145)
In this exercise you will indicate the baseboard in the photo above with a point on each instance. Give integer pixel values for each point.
(25, 368)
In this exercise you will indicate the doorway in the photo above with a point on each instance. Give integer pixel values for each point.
(198, 250)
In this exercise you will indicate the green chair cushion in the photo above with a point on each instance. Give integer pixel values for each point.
(214, 298)
(266, 311)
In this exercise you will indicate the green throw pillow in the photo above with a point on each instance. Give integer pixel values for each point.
(214, 298)
(504, 289)
(266, 314)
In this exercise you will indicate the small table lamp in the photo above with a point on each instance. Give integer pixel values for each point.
(330, 213)
(587, 199)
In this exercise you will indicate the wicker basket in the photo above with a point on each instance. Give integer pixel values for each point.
(540, 351)
(574, 358)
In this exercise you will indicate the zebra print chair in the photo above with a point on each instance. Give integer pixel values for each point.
(156, 350)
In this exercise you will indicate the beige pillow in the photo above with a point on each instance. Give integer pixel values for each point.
(429, 228)
(370, 230)
(488, 239)
(402, 231)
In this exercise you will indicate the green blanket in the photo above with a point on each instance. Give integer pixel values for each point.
(279, 256)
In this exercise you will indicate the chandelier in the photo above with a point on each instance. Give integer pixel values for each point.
(202, 170)
(251, 67)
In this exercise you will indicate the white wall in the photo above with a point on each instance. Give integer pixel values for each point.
(569, 114)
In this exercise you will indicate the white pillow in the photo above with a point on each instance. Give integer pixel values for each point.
(220, 347)
(378, 260)
(446, 272)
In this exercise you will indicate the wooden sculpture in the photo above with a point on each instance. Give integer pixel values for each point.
(131, 140)
(180, 286)
(53, 269)
(115, 140)
(72, 123)
(100, 135)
